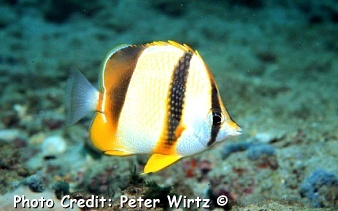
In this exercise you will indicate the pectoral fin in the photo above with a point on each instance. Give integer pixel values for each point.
(158, 161)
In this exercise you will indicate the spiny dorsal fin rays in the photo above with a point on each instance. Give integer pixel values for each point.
(183, 47)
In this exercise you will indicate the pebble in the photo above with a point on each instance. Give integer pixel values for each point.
(10, 134)
(54, 145)
(268, 137)
(37, 138)
(256, 151)
(35, 183)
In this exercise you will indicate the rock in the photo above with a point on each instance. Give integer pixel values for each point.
(258, 150)
(35, 183)
(265, 137)
(54, 145)
(10, 134)
(321, 188)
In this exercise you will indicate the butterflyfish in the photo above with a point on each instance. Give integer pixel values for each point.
(158, 98)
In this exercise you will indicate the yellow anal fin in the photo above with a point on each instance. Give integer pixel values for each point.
(158, 161)
(118, 153)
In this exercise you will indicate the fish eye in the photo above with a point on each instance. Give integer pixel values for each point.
(215, 117)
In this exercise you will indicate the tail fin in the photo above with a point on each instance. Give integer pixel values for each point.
(81, 97)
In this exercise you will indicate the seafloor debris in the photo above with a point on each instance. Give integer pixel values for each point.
(264, 155)
(194, 167)
(12, 168)
(35, 183)
(214, 195)
(233, 148)
(61, 189)
(258, 150)
(321, 188)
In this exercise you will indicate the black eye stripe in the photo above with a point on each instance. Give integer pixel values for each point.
(216, 118)
(215, 103)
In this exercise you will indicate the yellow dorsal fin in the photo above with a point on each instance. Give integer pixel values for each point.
(158, 161)
(183, 47)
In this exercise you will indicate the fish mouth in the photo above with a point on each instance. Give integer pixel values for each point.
(235, 130)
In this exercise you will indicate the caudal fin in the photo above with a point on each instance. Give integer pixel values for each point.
(81, 97)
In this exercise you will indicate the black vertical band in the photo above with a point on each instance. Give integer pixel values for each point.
(215, 104)
(176, 97)
(126, 59)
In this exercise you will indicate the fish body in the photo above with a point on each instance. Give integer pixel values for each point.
(158, 98)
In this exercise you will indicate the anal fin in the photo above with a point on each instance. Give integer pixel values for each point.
(118, 153)
(159, 161)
